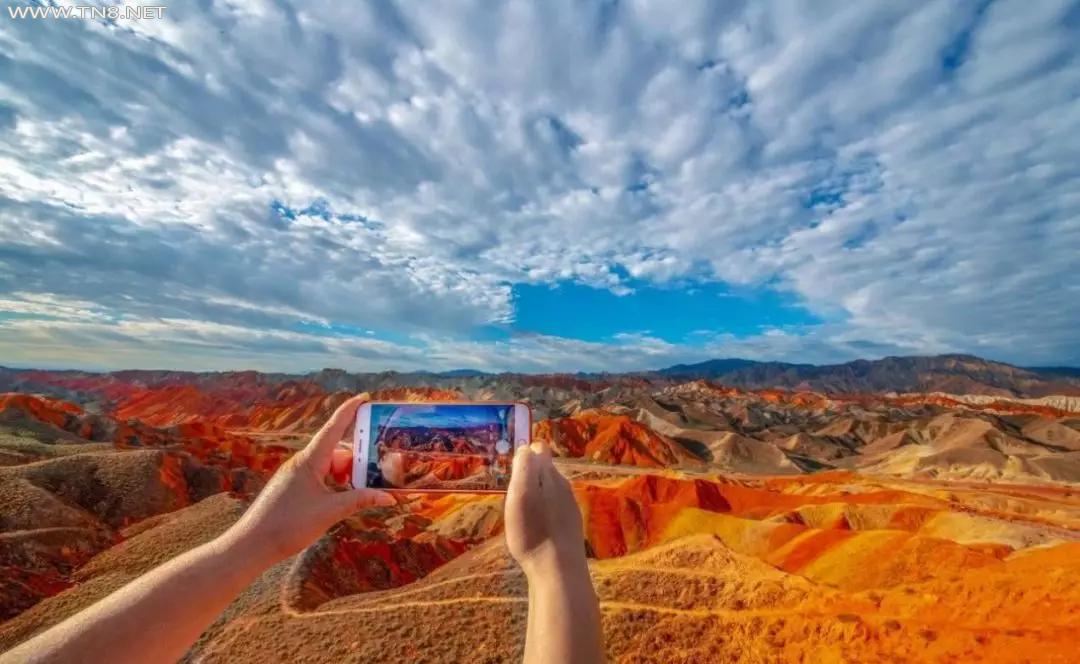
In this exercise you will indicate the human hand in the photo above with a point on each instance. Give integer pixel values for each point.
(296, 507)
(543, 523)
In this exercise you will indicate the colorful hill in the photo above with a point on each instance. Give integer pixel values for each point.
(722, 524)
(244, 401)
(612, 439)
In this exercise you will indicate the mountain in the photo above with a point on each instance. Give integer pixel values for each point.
(722, 523)
(611, 439)
(461, 373)
(1071, 372)
(711, 369)
(955, 374)
(949, 374)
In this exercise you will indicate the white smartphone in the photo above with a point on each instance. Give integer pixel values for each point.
(445, 446)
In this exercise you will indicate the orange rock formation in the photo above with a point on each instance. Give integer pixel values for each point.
(691, 562)
(606, 438)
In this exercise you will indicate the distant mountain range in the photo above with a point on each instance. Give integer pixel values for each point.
(954, 374)
(958, 374)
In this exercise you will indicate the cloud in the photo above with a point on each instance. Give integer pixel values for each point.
(65, 334)
(203, 184)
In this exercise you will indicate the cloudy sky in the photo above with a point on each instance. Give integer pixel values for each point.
(540, 186)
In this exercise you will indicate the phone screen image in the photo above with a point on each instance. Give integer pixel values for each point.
(463, 447)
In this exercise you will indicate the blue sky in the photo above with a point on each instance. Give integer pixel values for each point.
(437, 416)
(672, 313)
(554, 186)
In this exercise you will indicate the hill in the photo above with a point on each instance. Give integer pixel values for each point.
(949, 374)
(957, 374)
(722, 523)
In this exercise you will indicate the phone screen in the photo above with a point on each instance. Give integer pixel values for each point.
(451, 447)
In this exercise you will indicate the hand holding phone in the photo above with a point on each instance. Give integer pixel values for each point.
(466, 446)
(544, 530)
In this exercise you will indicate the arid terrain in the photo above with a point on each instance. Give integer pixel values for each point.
(723, 522)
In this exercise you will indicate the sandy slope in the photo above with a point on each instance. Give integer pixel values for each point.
(709, 544)
(753, 570)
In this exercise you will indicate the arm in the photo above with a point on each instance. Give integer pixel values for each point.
(157, 617)
(564, 616)
(544, 534)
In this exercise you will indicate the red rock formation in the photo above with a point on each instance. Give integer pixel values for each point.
(239, 401)
(61, 414)
(607, 438)
(415, 394)
(702, 567)
(630, 515)
(352, 562)
(817, 401)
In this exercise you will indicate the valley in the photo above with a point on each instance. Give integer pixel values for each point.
(721, 522)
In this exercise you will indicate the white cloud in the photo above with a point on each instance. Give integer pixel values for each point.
(907, 171)
(76, 339)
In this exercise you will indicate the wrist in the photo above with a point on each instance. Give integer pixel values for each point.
(546, 567)
(244, 545)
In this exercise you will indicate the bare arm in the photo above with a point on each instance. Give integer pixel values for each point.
(566, 624)
(544, 534)
(157, 617)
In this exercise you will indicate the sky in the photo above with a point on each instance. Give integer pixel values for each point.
(438, 416)
(549, 186)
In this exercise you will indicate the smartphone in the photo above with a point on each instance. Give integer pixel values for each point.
(450, 446)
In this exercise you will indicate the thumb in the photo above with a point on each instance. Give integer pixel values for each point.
(344, 503)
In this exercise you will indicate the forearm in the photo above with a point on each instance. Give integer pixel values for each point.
(158, 616)
(564, 615)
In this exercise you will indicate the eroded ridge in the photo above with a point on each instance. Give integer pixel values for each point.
(709, 536)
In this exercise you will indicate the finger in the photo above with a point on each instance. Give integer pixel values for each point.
(341, 463)
(322, 444)
(524, 461)
(523, 471)
(351, 429)
(542, 453)
(557, 477)
(344, 503)
(541, 446)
